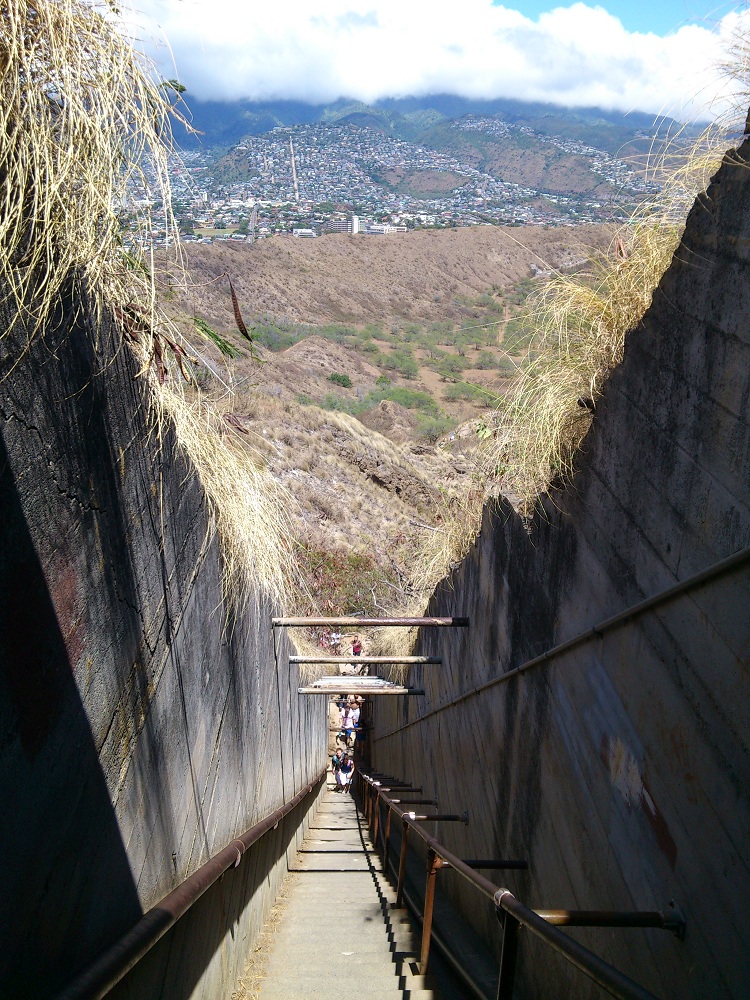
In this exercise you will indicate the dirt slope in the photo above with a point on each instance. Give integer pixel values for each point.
(360, 279)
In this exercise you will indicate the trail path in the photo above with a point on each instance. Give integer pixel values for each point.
(339, 934)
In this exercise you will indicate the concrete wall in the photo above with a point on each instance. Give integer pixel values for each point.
(620, 770)
(139, 731)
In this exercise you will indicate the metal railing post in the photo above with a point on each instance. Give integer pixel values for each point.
(402, 864)
(376, 821)
(434, 862)
(508, 956)
(387, 841)
(511, 913)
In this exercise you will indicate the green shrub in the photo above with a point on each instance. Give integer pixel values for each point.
(403, 361)
(277, 337)
(412, 399)
(343, 581)
(450, 366)
(383, 381)
(332, 402)
(516, 335)
(467, 390)
(340, 379)
(433, 427)
(337, 332)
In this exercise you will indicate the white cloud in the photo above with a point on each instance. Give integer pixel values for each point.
(319, 50)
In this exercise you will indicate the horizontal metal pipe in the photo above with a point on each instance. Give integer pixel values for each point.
(462, 971)
(479, 881)
(609, 978)
(486, 887)
(496, 863)
(392, 785)
(365, 659)
(596, 632)
(371, 622)
(614, 918)
(602, 973)
(398, 788)
(416, 802)
(370, 693)
(446, 817)
(100, 977)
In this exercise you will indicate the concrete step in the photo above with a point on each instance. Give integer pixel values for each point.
(357, 935)
(339, 889)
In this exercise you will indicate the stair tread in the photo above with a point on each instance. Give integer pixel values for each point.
(338, 920)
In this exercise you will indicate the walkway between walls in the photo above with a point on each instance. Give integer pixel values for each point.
(339, 935)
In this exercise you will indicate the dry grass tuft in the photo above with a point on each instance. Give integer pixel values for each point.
(578, 325)
(85, 125)
(250, 509)
(250, 983)
(394, 641)
(81, 114)
(441, 549)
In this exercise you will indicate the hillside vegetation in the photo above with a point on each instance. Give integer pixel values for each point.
(375, 361)
(334, 431)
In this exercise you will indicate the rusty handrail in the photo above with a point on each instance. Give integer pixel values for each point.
(595, 632)
(603, 974)
(480, 882)
(511, 912)
(114, 963)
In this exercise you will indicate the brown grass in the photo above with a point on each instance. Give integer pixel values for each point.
(579, 323)
(251, 981)
(361, 279)
(251, 510)
(80, 114)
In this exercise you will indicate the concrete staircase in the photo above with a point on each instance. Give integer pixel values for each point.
(339, 935)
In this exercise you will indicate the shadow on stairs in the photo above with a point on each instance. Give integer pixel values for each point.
(340, 934)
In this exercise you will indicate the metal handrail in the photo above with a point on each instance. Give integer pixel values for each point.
(113, 964)
(595, 632)
(510, 911)
(603, 974)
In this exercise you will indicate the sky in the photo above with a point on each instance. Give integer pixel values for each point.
(658, 56)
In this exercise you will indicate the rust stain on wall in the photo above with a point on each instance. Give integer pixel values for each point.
(626, 776)
(67, 606)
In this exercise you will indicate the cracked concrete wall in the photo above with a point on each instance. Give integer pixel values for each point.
(138, 733)
(621, 769)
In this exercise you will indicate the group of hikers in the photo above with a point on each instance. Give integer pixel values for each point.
(332, 640)
(350, 729)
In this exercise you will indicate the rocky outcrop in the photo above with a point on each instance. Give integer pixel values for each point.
(390, 476)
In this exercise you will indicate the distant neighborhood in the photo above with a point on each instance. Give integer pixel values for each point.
(309, 180)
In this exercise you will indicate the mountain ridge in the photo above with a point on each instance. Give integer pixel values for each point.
(224, 123)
